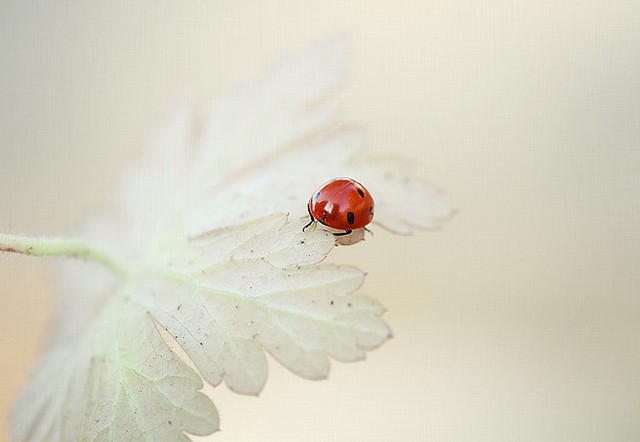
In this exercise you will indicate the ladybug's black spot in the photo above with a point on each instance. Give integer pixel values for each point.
(360, 192)
(371, 210)
(351, 217)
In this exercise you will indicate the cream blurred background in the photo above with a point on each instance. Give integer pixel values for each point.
(520, 320)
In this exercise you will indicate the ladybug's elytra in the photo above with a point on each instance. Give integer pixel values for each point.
(342, 204)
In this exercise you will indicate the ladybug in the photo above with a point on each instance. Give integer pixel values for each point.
(342, 204)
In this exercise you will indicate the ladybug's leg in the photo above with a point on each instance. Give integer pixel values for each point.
(346, 232)
(367, 230)
(308, 224)
(313, 220)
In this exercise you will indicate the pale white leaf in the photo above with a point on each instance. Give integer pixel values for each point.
(211, 225)
(117, 380)
(226, 312)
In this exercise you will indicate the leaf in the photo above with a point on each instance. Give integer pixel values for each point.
(216, 262)
(118, 380)
(266, 293)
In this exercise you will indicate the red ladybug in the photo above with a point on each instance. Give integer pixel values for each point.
(342, 204)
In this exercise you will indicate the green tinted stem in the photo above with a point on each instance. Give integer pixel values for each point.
(63, 247)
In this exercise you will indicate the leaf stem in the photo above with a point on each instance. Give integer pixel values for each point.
(65, 247)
